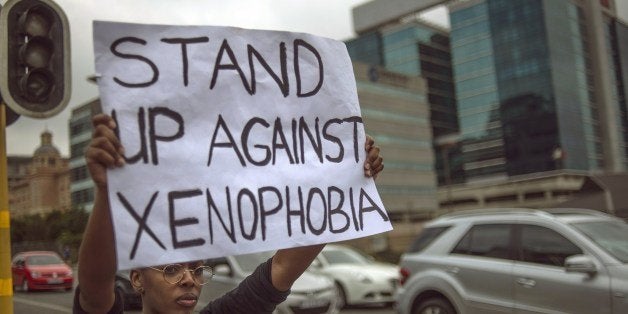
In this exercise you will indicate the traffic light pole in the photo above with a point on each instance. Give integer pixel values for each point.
(6, 282)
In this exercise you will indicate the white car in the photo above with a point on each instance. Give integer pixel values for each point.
(311, 293)
(360, 280)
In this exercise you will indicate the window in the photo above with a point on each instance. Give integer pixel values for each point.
(490, 240)
(82, 196)
(78, 174)
(541, 245)
(609, 235)
(427, 236)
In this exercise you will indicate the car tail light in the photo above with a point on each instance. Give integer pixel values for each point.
(404, 274)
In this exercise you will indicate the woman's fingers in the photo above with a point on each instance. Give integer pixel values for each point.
(105, 139)
(374, 162)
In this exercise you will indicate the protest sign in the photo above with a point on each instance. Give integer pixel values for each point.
(236, 141)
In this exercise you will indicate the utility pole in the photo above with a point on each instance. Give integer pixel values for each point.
(35, 82)
(6, 281)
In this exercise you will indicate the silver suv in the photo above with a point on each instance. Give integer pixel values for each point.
(517, 261)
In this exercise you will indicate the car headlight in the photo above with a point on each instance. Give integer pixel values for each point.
(35, 274)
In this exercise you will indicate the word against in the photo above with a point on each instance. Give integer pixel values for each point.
(291, 142)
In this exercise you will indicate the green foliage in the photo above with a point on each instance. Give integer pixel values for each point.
(65, 228)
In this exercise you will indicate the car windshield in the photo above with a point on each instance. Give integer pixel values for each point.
(610, 235)
(345, 257)
(43, 260)
(248, 262)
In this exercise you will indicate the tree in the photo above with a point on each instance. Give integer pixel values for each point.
(57, 228)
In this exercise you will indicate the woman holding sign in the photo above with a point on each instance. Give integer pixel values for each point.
(174, 288)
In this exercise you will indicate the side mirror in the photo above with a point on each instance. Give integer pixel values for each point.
(580, 264)
(223, 270)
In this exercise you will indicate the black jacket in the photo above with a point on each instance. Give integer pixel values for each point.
(255, 294)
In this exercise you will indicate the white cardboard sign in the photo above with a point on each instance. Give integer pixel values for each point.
(236, 141)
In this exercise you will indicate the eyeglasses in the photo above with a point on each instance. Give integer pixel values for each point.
(173, 273)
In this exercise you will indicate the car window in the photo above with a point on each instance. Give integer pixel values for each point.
(43, 260)
(427, 236)
(542, 245)
(345, 257)
(249, 262)
(489, 240)
(610, 235)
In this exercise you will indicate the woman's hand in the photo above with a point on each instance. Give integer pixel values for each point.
(104, 150)
(374, 163)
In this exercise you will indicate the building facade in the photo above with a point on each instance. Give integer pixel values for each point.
(540, 89)
(82, 187)
(41, 183)
(422, 156)
(415, 47)
(395, 111)
(540, 86)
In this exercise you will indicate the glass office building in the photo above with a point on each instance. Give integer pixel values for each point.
(617, 39)
(539, 86)
(417, 48)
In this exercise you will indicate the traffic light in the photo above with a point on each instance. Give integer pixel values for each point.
(35, 50)
(11, 116)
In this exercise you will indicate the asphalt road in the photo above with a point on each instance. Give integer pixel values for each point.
(60, 302)
(51, 302)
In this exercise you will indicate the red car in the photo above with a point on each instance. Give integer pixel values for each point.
(41, 270)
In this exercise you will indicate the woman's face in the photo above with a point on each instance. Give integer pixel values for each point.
(160, 296)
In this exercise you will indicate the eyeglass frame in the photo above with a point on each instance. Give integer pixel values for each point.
(185, 268)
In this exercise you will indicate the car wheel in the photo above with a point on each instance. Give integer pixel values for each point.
(120, 296)
(341, 296)
(435, 306)
(25, 285)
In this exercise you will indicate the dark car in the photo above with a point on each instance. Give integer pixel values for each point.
(124, 290)
(40, 270)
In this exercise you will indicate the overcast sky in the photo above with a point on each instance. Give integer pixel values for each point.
(328, 18)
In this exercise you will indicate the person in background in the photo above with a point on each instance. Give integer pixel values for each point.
(174, 288)
(67, 255)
